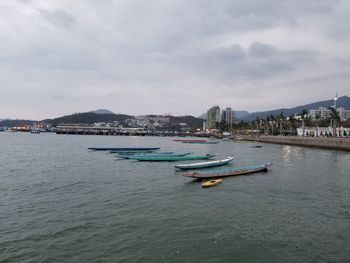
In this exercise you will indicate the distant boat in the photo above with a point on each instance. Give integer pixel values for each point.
(35, 131)
(204, 164)
(132, 152)
(153, 155)
(200, 142)
(140, 153)
(189, 140)
(171, 158)
(212, 183)
(229, 172)
(127, 149)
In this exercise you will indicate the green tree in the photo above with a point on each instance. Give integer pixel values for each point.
(317, 120)
(303, 118)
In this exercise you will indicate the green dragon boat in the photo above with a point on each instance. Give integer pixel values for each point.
(153, 155)
(171, 158)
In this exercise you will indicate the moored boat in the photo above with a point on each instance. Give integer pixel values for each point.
(153, 155)
(190, 140)
(171, 158)
(200, 142)
(204, 164)
(140, 153)
(125, 149)
(229, 172)
(213, 182)
(132, 152)
(35, 131)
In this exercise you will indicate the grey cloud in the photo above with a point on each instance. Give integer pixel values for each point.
(59, 17)
(137, 56)
(262, 50)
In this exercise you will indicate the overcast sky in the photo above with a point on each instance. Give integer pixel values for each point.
(167, 56)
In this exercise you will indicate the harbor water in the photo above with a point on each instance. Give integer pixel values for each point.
(60, 202)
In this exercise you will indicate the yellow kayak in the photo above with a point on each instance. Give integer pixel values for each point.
(212, 182)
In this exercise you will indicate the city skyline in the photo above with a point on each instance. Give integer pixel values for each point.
(159, 57)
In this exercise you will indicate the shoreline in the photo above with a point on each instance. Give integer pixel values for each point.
(338, 143)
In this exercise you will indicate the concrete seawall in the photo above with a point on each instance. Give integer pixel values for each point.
(317, 142)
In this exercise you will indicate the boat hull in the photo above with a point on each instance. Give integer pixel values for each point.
(189, 140)
(204, 164)
(200, 142)
(170, 158)
(230, 172)
(141, 153)
(211, 183)
(127, 149)
(162, 155)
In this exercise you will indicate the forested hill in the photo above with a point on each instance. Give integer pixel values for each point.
(87, 118)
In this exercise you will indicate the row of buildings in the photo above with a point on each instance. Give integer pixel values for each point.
(324, 113)
(215, 116)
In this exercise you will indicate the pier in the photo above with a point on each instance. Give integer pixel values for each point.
(117, 131)
(336, 143)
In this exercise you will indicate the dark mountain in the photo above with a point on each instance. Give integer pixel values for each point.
(191, 121)
(203, 116)
(239, 115)
(87, 118)
(16, 123)
(343, 101)
(103, 111)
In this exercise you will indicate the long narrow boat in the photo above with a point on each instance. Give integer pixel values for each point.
(141, 153)
(126, 149)
(153, 155)
(171, 158)
(189, 140)
(229, 172)
(204, 164)
(200, 142)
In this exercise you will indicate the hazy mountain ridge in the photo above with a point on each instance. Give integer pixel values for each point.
(343, 101)
(88, 118)
(16, 123)
(103, 111)
(99, 115)
(239, 114)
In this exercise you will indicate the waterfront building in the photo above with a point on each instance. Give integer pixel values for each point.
(228, 116)
(343, 114)
(213, 117)
(322, 112)
(325, 113)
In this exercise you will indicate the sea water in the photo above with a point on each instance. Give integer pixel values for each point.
(60, 202)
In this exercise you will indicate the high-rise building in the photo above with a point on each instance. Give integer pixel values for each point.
(228, 116)
(213, 117)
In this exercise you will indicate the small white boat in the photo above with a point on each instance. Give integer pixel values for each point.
(204, 164)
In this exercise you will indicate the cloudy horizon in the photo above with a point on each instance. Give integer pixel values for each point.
(177, 57)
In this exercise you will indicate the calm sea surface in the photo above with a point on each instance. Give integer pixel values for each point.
(60, 202)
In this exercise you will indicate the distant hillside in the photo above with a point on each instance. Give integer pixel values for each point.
(191, 121)
(87, 118)
(16, 123)
(239, 114)
(341, 102)
(103, 111)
